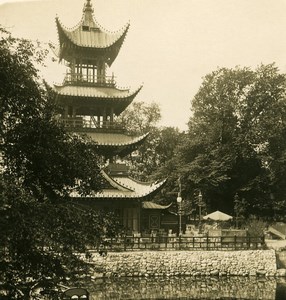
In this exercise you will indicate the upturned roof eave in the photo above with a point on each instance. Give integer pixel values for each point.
(120, 149)
(152, 205)
(65, 36)
(132, 195)
(123, 100)
(130, 143)
(58, 90)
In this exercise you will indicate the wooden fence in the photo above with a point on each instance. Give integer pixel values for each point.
(129, 243)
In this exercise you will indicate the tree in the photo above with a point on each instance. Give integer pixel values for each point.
(140, 117)
(161, 142)
(41, 227)
(236, 139)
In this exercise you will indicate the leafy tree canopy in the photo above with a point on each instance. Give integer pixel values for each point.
(236, 142)
(160, 145)
(140, 117)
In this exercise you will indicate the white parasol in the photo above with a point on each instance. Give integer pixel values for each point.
(217, 216)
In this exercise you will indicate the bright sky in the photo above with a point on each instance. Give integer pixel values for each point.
(171, 44)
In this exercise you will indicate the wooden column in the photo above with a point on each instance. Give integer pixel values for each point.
(111, 114)
(98, 120)
(101, 72)
(66, 112)
(104, 117)
(72, 71)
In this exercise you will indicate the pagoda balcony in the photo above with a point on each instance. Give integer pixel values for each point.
(89, 80)
(81, 125)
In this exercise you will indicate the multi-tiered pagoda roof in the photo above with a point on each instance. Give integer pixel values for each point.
(90, 100)
(124, 187)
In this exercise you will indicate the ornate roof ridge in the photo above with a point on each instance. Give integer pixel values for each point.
(117, 179)
(153, 205)
(114, 183)
(151, 185)
(142, 182)
(126, 194)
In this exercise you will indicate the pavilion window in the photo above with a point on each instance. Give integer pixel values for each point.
(131, 219)
(70, 111)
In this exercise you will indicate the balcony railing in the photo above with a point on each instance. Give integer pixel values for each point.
(89, 80)
(81, 124)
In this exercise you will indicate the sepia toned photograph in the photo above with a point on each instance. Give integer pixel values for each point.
(143, 149)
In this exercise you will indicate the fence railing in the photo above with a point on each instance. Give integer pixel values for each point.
(129, 243)
(94, 80)
(82, 124)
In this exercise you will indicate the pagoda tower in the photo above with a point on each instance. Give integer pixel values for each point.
(90, 100)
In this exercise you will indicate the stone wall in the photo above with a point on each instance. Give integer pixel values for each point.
(186, 263)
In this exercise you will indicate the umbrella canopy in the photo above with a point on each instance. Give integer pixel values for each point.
(217, 216)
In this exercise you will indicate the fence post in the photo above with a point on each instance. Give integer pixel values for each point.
(207, 241)
(180, 239)
(262, 240)
(125, 241)
(235, 242)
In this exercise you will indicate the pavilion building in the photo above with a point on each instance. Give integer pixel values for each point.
(90, 100)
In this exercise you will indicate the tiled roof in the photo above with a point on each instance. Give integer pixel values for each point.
(89, 35)
(152, 205)
(114, 139)
(125, 187)
(92, 92)
(96, 37)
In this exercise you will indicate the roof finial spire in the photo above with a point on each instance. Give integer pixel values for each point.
(87, 12)
(88, 7)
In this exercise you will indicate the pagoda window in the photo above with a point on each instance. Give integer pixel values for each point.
(84, 73)
(85, 28)
(78, 72)
(94, 29)
(90, 73)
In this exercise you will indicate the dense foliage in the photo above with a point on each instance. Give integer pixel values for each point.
(234, 151)
(41, 227)
(236, 144)
(142, 118)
